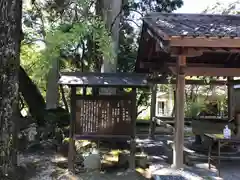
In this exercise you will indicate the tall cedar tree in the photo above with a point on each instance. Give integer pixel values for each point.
(10, 37)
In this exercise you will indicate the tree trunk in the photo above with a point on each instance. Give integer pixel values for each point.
(111, 16)
(52, 95)
(32, 96)
(10, 39)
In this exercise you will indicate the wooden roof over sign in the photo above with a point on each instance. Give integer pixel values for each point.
(91, 79)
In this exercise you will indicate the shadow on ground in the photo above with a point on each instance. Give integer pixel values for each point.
(46, 167)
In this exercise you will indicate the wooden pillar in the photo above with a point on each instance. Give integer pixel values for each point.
(133, 135)
(231, 104)
(174, 104)
(179, 117)
(170, 103)
(153, 111)
(71, 148)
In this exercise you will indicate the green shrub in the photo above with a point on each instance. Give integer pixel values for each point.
(193, 109)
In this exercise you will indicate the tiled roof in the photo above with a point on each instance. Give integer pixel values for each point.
(171, 24)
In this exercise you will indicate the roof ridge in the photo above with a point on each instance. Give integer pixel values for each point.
(190, 14)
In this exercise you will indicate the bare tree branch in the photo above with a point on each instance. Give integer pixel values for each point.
(120, 13)
(41, 19)
(144, 109)
(130, 20)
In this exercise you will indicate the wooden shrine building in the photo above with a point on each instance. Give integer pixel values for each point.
(189, 45)
(95, 116)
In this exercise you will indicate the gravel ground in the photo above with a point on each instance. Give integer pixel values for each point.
(165, 172)
(159, 153)
(46, 169)
(230, 170)
(170, 174)
(43, 163)
(162, 170)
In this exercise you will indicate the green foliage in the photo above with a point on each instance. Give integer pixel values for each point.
(72, 35)
(78, 38)
(61, 44)
(68, 28)
(145, 117)
(57, 123)
(31, 61)
(193, 109)
(231, 7)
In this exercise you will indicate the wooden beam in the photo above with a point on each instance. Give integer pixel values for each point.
(132, 165)
(153, 111)
(162, 43)
(218, 50)
(205, 42)
(163, 65)
(199, 65)
(71, 148)
(193, 82)
(159, 32)
(160, 80)
(174, 104)
(208, 71)
(231, 103)
(179, 124)
(188, 52)
(198, 51)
